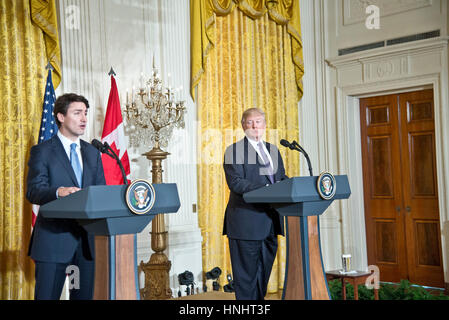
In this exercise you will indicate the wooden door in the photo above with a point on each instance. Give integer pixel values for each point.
(401, 197)
(420, 192)
(382, 186)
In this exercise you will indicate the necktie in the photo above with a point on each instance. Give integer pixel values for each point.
(267, 167)
(75, 162)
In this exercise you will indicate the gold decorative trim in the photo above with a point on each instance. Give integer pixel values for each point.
(250, 11)
(220, 10)
(295, 34)
(42, 14)
(277, 17)
(49, 28)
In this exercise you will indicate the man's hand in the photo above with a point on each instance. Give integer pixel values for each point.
(65, 191)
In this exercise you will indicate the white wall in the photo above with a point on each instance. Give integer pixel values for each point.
(125, 34)
(317, 125)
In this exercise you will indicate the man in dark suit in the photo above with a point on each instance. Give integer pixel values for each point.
(252, 229)
(58, 167)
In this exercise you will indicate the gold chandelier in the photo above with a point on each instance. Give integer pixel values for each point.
(153, 112)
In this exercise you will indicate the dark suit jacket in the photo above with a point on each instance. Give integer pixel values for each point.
(55, 240)
(242, 167)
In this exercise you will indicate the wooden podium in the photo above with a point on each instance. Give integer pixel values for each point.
(299, 201)
(103, 212)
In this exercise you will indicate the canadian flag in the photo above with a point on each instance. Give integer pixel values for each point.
(114, 135)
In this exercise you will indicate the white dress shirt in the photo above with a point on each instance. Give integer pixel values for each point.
(255, 143)
(66, 142)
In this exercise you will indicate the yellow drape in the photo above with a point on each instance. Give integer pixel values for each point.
(203, 32)
(250, 66)
(43, 14)
(23, 57)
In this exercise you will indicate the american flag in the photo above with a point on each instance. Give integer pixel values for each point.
(48, 124)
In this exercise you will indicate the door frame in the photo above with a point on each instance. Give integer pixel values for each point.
(349, 150)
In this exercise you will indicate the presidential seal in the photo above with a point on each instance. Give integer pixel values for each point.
(140, 196)
(326, 185)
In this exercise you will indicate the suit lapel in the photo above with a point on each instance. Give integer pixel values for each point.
(61, 155)
(85, 163)
(267, 145)
(271, 155)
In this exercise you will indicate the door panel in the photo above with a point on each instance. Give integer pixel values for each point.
(427, 243)
(420, 191)
(380, 163)
(382, 192)
(386, 240)
(422, 173)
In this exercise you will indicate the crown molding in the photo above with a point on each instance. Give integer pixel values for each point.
(409, 48)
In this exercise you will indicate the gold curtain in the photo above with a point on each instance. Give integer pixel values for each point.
(43, 14)
(203, 14)
(23, 57)
(250, 66)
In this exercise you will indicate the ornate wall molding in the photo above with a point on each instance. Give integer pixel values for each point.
(354, 10)
(389, 63)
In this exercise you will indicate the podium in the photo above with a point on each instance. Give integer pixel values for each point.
(298, 200)
(102, 211)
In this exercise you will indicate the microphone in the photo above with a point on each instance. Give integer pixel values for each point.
(105, 148)
(287, 144)
(295, 146)
(101, 147)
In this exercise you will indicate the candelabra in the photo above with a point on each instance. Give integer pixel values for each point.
(152, 113)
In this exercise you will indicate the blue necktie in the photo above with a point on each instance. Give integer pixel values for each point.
(75, 162)
(267, 165)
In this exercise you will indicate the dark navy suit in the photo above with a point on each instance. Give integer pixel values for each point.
(252, 229)
(57, 243)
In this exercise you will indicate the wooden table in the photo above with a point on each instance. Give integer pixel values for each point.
(354, 278)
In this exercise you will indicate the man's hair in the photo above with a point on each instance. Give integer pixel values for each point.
(63, 102)
(250, 111)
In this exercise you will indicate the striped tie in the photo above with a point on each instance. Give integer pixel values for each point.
(266, 162)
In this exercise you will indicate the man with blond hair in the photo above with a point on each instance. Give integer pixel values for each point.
(252, 229)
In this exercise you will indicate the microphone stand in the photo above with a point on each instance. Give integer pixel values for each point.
(300, 149)
(114, 156)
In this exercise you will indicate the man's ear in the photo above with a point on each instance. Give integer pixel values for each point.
(60, 117)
